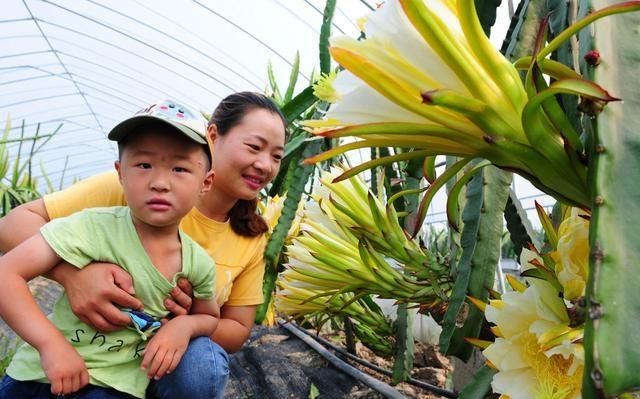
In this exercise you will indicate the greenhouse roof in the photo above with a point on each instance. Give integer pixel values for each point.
(87, 64)
(77, 67)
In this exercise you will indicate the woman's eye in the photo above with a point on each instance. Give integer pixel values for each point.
(277, 157)
(254, 147)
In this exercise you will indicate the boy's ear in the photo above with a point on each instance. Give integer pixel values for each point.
(208, 182)
(116, 164)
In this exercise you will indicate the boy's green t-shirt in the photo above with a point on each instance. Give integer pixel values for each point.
(108, 235)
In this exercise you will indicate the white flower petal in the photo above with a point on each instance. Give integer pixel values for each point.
(361, 104)
(505, 355)
(518, 384)
(389, 23)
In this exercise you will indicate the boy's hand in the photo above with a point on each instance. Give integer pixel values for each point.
(64, 368)
(165, 349)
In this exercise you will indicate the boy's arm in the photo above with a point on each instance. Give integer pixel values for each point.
(26, 261)
(109, 283)
(166, 348)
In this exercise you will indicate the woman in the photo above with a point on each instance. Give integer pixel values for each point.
(247, 131)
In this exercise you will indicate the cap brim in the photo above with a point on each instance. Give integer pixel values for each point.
(122, 129)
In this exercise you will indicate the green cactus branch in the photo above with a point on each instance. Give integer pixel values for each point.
(612, 350)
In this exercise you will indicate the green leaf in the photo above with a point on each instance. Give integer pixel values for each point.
(26, 164)
(313, 392)
(486, 10)
(486, 193)
(561, 13)
(547, 225)
(277, 97)
(403, 360)
(480, 385)
(282, 180)
(545, 275)
(549, 67)
(325, 33)
(64, 171)
(519, 226)
(513, 37)
(4, 152)
(403, 193)
(447, 175)
(276, 241)
(294, 144)
(293, 78)
(452, 199)
(298, 105)
(16, 162)
(43, 172)
(486, 254)
(468, 240)
(546, 99)
(616, 8)
(403, 156)
(429, 169)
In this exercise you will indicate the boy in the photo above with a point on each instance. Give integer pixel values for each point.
(164, 165)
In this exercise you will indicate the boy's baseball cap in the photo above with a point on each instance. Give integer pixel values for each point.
(187, 120)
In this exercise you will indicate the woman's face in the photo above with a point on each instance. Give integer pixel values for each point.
(248, 156)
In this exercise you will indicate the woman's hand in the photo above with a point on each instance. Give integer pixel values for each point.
(97, 291)
(181, 298)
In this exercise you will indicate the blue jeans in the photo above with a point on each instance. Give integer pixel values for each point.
(202, 374)
(13, 389)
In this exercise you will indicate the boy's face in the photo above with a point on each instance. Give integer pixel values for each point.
(162, 174)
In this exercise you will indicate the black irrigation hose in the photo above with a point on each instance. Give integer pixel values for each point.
(421, 384)
(379, 386)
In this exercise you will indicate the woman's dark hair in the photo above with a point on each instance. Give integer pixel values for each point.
(243, 217)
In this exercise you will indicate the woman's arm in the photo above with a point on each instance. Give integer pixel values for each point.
(235, 322)
(21, 223)
(93, 290)
(96, 293)
(24, 222)
(206, 306)
(234, 327)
